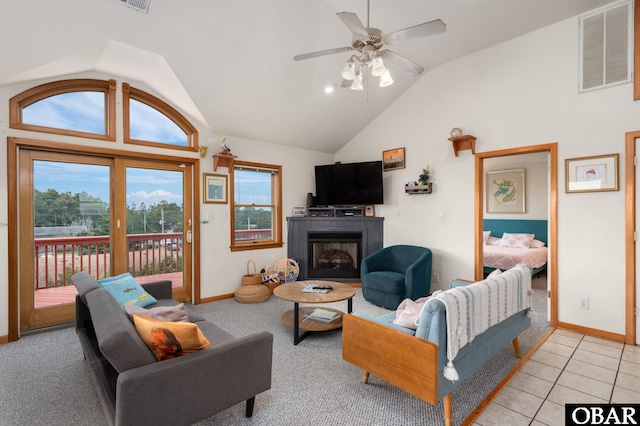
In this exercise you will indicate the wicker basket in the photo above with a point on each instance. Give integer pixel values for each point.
(252, 293)
(250, 278)
(272, 284)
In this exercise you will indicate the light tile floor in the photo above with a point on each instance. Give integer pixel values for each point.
(568, 368)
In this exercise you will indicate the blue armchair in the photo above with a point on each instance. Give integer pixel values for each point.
(394, 273)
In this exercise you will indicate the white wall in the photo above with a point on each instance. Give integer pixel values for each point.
(221, 270)
(522, 92)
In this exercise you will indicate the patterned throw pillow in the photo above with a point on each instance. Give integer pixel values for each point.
(485, 236)
(177, 313)
(408, 312)
(126, 290)
(170, 339)
(516, 240)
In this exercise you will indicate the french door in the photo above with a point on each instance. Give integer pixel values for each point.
(105, 215)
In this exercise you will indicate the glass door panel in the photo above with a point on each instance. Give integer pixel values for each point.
(65, 229)
(155, 225)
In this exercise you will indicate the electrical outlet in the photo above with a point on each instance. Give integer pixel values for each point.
(436, 278)
(583, 303)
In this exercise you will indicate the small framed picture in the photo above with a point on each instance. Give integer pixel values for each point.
(592, 174)
(215, 188)
(393, 159)
(369, 211)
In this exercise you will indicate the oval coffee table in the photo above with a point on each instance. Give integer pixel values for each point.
(293, 292)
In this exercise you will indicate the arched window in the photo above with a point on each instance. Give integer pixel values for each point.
(148, 120)
(81, 107)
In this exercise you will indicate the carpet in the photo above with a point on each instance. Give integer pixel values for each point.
(44, 380)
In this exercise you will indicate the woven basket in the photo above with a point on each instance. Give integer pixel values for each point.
(272, 285)
(250, 278)
(252, 293)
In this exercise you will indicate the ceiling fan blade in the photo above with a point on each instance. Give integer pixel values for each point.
(354, 24)
(321, 53)
(422, 30)
(395, 60)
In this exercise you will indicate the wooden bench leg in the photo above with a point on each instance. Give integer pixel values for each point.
(365, 377)
(448, 412)
(516, 347)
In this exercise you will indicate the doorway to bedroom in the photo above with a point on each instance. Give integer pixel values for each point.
(535, 168)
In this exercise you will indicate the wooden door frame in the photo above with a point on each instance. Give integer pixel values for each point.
(629, 236)
(14, 144)
(552, 270)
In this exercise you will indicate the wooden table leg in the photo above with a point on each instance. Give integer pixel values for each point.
(448, 412)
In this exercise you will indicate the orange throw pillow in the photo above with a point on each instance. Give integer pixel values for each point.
(170, 339)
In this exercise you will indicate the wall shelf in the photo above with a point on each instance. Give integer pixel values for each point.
(223, 160)
(419, 189)
(463, 142)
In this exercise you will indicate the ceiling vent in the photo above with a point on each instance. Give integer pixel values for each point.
(139, 5)
(605, 53)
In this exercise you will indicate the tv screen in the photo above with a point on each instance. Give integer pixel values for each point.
(349, 184)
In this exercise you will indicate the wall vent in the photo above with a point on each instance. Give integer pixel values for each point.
(139, 5)
(605, 47)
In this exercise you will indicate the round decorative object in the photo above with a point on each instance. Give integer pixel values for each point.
(456, 131)
(252, 293)
(288, 269)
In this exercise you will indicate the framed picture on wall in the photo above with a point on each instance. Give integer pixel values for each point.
(393, 159)
(505, 191)
(215, 188)
(592, 174)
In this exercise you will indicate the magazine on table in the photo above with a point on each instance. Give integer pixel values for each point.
(315, 288)
(322, 315)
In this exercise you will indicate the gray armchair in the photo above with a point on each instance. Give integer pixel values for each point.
(394, 273)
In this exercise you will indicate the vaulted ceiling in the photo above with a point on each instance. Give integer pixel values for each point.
(229, 64)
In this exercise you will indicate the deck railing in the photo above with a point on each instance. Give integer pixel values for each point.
(57, 259)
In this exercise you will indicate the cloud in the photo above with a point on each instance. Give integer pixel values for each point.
(153, 197)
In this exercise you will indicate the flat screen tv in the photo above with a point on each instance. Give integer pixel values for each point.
(349, 184)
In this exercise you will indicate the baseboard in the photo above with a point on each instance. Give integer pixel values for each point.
(215, 298)
(620, 338)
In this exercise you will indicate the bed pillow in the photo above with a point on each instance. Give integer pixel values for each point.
(485, 236)
(177, 313)
(170, 339)
(126, 290)
(536, 244)
(516, 240)
(493, 241)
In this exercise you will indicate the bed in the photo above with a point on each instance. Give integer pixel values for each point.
(495, 256)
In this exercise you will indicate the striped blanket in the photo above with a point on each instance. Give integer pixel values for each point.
(473, 309)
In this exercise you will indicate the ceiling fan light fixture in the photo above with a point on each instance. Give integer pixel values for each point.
(377, 67)
(385, 79)
(357, 82)
(349, 71)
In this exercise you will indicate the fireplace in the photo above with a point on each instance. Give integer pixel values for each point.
(332, 248)
(334, 254)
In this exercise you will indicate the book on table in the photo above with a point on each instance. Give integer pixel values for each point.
(314, 288)
(322, 315)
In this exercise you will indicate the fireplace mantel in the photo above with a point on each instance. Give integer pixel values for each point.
(298, 229)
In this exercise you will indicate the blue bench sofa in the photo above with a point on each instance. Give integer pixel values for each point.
(414, 360)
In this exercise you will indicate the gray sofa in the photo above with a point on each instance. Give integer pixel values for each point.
(135, 389)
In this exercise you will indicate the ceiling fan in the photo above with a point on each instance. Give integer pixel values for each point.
(368, 42)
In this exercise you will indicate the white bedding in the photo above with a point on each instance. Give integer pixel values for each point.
(507, 257)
